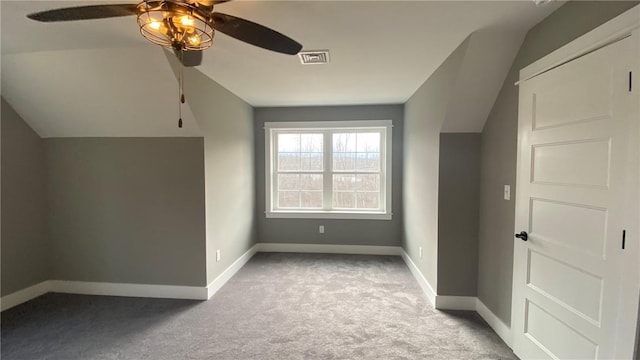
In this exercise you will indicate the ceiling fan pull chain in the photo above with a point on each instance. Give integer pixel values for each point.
(182, 76)
(181, 88)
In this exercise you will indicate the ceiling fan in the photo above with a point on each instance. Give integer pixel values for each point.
(186, 26)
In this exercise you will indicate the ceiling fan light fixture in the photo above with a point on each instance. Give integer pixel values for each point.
(155, 25)
(183, 26)
(186, 21)
(194, 39)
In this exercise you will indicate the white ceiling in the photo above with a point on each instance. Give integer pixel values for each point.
(63, 77)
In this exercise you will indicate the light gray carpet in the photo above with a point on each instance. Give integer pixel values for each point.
(279, 306)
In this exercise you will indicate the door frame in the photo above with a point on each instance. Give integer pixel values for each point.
(624, 25)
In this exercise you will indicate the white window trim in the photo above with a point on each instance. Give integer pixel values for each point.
(333, 214)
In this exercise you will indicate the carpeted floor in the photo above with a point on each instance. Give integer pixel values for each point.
(279, 306)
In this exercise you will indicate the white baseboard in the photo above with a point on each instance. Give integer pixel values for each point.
(329, 249)
(24, 295)
(496, 324)
(131, 290)
(226, 275)
(102, 288)
(456, 302)
(422, 281)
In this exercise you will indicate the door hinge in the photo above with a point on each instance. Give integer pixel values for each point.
(624, 238)
(630, 81)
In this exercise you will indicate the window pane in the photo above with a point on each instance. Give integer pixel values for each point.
(311, 161)
(300, 191)
(368, 161)
(344, 161)
(356, 151)
(345, 142)
(368, 142)
(288, 142)
(344, 182)
(368, 200)
(311, 199)
(368, 182)
(288, 199)
(288, 182)
(300, 152)
(311, 143)
(310, 182)
(344, 200)
(288, 161)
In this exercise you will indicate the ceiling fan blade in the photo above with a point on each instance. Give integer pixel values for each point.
(210, 2)
(84, 12)
(255, 34)
(189, 58)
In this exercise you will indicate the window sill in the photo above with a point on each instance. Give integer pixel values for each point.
(346, 215)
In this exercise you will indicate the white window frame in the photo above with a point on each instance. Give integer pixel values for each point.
(327, 127)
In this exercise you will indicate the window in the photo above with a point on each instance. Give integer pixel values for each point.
(328, 169)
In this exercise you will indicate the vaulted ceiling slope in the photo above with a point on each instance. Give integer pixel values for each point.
(101, 78)
(487, 60)
(92, 93)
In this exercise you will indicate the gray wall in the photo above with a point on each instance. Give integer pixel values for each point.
(127, 210)
(344, 232)
(227, 124)
(425, 113)
(499, 138)
(24, 208)
(458, 199)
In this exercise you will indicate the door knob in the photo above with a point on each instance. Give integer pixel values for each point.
(523, 236)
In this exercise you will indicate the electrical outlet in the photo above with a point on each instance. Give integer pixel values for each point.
(321, 229)
(420, 252)
(218, 255)
(507, 192)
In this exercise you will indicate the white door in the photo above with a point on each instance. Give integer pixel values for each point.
(577, 192)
